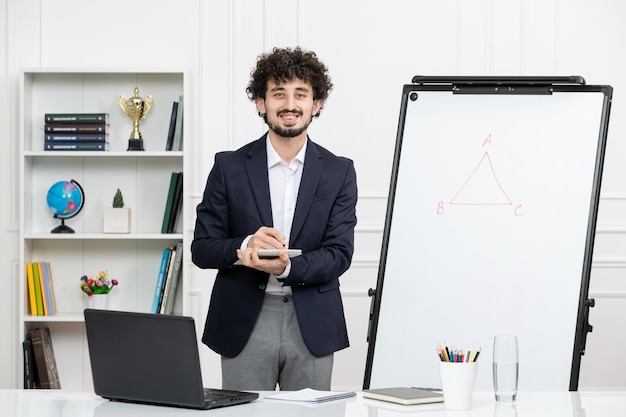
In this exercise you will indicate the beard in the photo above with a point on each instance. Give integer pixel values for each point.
(287, 132)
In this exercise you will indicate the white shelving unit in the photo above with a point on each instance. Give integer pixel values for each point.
(142, 176)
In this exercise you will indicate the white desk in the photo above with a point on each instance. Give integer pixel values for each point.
(53, 403)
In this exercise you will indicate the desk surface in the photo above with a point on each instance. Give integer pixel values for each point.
(48, 403)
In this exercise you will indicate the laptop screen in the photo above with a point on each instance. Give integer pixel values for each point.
(144, 357)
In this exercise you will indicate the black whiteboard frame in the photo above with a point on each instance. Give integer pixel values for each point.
(501, 85)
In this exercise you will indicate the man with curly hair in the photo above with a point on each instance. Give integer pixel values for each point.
(278, 321)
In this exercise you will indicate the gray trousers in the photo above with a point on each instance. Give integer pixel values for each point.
(276, 354)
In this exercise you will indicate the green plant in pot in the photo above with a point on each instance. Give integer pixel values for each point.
(116, 218)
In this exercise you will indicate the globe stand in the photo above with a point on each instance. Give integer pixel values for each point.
(66, 199)
(62, 228)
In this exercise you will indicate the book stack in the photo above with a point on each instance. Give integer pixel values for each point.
(175, 131)
(40, 370)
(173, 203)
(31, 379)
(167, 280)
(76, 132)
(40, 289)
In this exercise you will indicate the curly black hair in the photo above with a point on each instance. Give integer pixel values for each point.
(285, 64)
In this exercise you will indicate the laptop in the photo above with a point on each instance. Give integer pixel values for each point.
(150, 359)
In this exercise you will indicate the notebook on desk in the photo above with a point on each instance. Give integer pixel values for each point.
(151, 359)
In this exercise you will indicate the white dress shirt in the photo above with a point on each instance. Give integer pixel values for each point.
(284, 180)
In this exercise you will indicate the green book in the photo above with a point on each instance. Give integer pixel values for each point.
(177, 143)
(169, 202)
(404, 395)
(176, 203)
(38, 294)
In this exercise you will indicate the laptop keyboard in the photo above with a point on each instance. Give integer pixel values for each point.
(212, 395)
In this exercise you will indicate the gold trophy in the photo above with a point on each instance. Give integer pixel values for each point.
(136, 108)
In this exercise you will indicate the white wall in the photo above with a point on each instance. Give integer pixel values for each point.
(372, 48)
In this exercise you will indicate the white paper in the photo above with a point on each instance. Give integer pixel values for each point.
(309, 395)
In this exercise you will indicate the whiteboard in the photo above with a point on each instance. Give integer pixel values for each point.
(489, 231)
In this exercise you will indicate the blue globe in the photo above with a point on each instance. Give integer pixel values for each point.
(65, 199)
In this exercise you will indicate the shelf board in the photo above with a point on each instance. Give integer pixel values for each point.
(107, 154)
(57, 318)
(103, 236)
(106, 70)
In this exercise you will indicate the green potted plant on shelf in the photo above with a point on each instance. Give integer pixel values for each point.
(117, 218)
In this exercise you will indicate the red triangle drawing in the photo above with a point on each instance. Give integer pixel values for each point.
(482, 188)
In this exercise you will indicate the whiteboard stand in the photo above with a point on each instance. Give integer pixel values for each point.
(489, 228)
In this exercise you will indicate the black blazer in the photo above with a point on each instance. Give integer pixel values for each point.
(237, 191)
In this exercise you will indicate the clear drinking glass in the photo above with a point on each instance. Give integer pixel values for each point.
(505, 367)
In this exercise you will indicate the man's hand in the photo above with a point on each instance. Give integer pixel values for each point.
(265, 238)
(276, 266)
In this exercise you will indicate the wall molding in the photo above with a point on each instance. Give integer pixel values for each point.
(14, 322)
(355, 293)
(369, 262)
(196, 306)
(612, 196)
(609, 263)
(601, 228)
(607, 294)
(602, 263)
(608, 228)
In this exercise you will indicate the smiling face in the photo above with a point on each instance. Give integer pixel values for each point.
(289, 107)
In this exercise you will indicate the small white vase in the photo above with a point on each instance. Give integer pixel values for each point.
(116, 220)
(98, 301)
